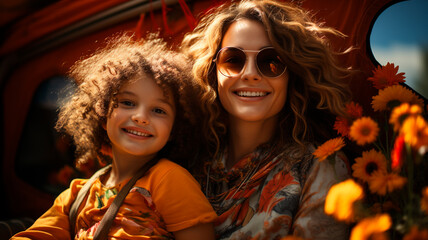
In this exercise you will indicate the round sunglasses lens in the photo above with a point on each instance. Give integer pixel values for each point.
(269, 63)
(230, 61)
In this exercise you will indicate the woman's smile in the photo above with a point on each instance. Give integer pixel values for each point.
(251, 93)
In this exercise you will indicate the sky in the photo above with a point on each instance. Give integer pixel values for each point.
(398, 36)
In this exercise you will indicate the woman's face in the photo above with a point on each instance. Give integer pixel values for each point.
(250, 95)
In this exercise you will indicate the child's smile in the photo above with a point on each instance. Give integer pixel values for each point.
(138, 132)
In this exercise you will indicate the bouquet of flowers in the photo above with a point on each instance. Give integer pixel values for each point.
(387, 196)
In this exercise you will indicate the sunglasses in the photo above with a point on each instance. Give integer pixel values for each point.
(231, 61)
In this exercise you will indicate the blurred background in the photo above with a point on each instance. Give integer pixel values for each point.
(400, 36)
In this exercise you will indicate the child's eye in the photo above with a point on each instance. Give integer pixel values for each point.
(127, 103)
(159, 111)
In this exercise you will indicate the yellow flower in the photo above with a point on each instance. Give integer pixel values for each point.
(364, 130)
(400, 113)
(340, 199)
(381, 183)
(415, 131)
(365, 166)
(328, 148)
(416, 234)
(371, 226)
(424, 200)
(392, 96)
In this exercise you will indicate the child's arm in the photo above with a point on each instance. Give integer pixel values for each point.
(203, 231)
(181, 203)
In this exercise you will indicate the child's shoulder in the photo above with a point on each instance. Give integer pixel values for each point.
(77, 183)
(166, 169)
(165, 165)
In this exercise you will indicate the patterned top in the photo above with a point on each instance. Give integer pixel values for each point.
(268, 195)
(165, 200)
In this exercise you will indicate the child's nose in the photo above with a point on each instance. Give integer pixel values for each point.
(140, 118)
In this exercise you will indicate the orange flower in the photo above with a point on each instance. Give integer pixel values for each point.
(416, 234)
(381, 183)
(415, 131)
(328, 148)
(400, 113)
(397, 153)
(386, 76)
(364, 130)
(354, 110)
(371, 226)
(340, 199)
(371, 162)
(424, 200)
(393, 96)
(341, 125)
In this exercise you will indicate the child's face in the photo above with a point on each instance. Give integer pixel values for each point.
(141, 123)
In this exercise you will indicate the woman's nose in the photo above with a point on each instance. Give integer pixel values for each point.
(251, 71)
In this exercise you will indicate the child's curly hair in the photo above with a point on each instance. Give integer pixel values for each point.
(100, 78)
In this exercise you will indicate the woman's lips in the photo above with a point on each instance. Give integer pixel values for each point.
(251, 93)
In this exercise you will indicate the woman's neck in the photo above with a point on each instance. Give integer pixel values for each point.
(245, 137)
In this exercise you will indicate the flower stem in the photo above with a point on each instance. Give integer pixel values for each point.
(410, 169)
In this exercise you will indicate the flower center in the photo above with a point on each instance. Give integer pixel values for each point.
(371, 167)
(365, 131)
(393, 103)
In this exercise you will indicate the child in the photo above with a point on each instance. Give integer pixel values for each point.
(137, 99)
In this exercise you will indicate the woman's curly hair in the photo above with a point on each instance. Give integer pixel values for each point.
(317, 90)
(100, 77)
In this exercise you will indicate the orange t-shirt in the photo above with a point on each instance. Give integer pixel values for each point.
(165, 200)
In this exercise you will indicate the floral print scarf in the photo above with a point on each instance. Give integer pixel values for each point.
(260, 196)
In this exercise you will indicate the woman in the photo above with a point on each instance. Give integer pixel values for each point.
(273, 90)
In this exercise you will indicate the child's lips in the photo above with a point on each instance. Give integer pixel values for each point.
(138, 132)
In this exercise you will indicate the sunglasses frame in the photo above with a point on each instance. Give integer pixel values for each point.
(246, 57)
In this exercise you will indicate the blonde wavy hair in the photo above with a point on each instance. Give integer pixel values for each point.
(101, 76)
(317, 83)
